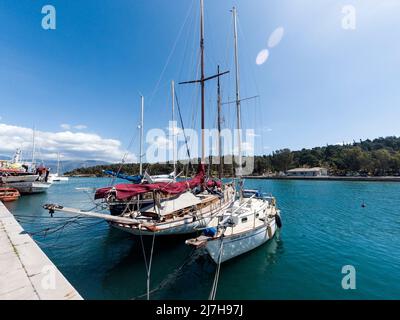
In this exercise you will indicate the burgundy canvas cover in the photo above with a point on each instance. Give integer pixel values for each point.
(125, 191)
(214, 183)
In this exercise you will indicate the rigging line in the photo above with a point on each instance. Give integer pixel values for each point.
(170, 54)
(247, 54)
(133, 139)
(258, 101)
(183, 129)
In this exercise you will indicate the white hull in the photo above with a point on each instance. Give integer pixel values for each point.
(238, 244)
(30, 187)
(21, 178)
(57, 178)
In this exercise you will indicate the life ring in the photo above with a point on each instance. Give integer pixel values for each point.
(278, 221)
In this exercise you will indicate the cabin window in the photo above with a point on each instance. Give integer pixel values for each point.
(257, 215)
(244, 220)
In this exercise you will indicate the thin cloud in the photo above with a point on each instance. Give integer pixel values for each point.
(65, 126)
(80, 127)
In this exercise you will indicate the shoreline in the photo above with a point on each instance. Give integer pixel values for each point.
(329, 178)
(313, 178)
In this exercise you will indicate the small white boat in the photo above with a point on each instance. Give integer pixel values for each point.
(244, 226)
(54, 177)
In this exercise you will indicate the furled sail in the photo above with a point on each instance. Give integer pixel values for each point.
(135, 179)
(125, 191)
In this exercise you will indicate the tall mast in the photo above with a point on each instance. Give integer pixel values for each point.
(58, 163)
(220, 170)
(173, 124)
(202, 79)
(141, 135)
(238, 118)
(33, 145)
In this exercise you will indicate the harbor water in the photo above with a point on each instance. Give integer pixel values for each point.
(324, 229)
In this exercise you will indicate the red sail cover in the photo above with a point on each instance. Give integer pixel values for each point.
(214, 183)
(125, 191)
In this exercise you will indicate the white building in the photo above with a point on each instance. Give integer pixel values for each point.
(307, 172)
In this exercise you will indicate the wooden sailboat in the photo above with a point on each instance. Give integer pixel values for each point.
(176, 207)
(119, 207)
(251, 220)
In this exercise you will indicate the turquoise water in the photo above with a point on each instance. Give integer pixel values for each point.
(324, 228)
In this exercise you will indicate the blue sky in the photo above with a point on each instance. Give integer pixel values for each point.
(321, 84)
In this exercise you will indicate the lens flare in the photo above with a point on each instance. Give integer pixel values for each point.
(276, 37)
(262, 56)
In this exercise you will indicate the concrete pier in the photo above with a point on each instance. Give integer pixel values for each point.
(26, 273)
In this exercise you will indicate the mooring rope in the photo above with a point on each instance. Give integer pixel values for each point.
(147, 264)
(213, 292)
(165, 282)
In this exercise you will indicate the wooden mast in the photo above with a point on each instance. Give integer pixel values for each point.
(202, 80)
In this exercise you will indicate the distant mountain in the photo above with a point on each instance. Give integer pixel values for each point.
(66, 165)
(69, 165)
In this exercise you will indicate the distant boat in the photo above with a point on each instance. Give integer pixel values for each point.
(25, 177)
(9, 194)
(56, 177)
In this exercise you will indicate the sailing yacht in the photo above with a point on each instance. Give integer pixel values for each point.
(251, 220)
(118, 207)
(176, 207)
(56, 176)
